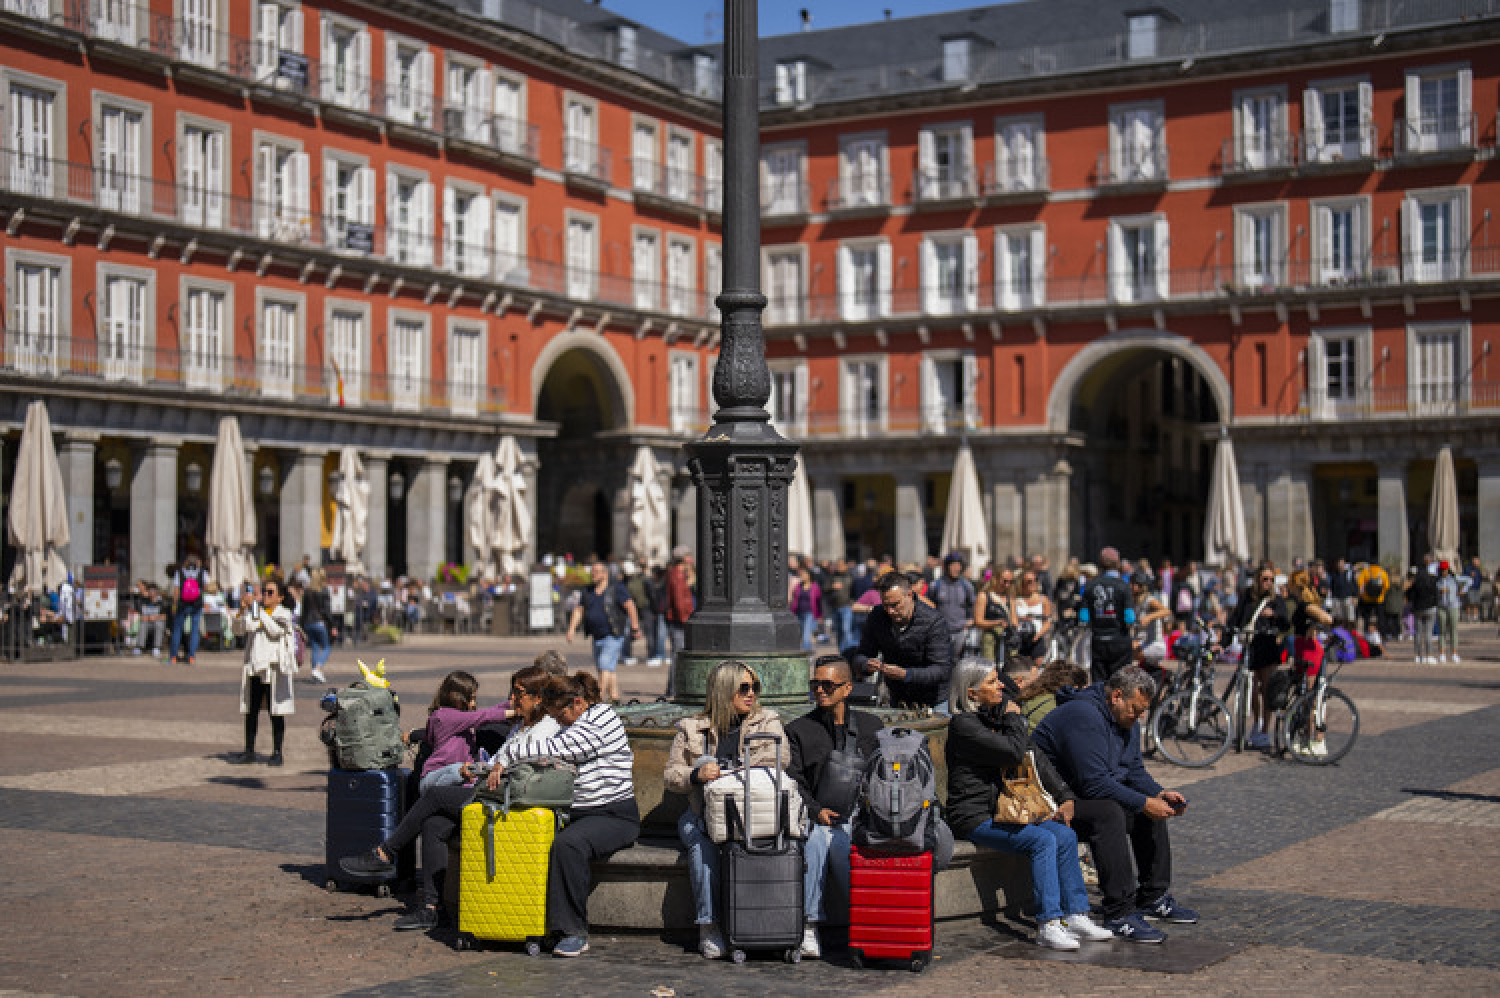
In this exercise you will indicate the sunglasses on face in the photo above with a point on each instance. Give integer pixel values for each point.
(824, 685)
(748, 688)
(269, 591)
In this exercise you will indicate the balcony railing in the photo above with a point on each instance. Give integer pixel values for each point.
(1456, 398)
(1353, 147)
(1423, 135)
(861, 191)
(1249, 154)
(666, 183)
(1017, 180)
(86, 358)
(937, 185)
(586, 161)
(505, 135)
(783, 198)
(1134, 164)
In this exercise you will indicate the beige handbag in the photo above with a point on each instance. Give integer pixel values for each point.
(1023, 800)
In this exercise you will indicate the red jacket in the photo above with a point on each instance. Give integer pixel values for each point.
(679, 595)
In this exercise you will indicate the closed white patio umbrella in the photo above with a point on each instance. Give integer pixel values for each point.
(351, 521)
(649, 513)
(1442, 513)
(964, 527)
(799, 514)
(499, 518)
(231, 511)
(1225, 539)
(38, 521)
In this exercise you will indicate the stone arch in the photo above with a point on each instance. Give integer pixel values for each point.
(1065, 387)
(607, 364)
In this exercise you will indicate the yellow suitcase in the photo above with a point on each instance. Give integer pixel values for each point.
(502, 878)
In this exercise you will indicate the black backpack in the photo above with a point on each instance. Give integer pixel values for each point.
(1373, 589)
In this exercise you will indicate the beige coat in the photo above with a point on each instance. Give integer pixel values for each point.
(694, 740)
(270, 656)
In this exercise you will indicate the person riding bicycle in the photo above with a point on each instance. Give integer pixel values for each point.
(1261, 612)
(1110, 613)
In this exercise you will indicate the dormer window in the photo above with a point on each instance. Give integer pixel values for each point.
(1343, 15)
(957, 54)
(705, 75)
(791, 82)
(1141, 35)
(625, 50)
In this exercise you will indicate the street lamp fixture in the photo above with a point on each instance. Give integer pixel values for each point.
(396, 488)
(192, 477)
(455, 489)
(266, 482)
(114, 473)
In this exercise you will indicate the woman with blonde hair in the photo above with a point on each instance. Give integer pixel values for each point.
(992, 612)
(705, 747)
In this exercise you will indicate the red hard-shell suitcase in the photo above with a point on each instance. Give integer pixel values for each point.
(890, 908)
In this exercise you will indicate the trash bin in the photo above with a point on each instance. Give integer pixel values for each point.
(500, 616)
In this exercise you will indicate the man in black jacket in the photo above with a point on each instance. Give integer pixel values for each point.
(829, 745)
(908, 642)
(1109, 610)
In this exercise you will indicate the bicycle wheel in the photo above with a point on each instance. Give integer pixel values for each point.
(1239, 713)
(1319, 729)
(1192, 728)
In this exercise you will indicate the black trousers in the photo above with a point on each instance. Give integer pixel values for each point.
(1109, 654)
(590, 834)
(260, 696)
(1132, 852)
(435, 816)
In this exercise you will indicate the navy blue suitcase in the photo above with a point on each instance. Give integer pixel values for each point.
(364, 807)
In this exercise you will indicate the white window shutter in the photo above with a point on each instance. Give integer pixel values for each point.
(364, 195)
(799, 404)
(971, 390)
(362, 69)
(294, 30)
(422, 214)
(846, 283)
(1466, 106)
(1162, 239)
(486, 94)
(301, 198)
(392, 63)
(926, 164)
(192, 177)
(331, 190)
(265, 169)
(266, 17)
(1411, 239)
(932, 402)
(213, 180)
(883, 277)
(424, 85)
(1359, 237)
(971, 272)
(1412, 126)
(1038, 265)
(1119, 270)
(965, 176)
(450, 228)
(326, 60)
(1244, 250)
(1366, 120)
(927, 272)
(1312, 123)
(1317, 375)
(392, 214)
(1005, 294)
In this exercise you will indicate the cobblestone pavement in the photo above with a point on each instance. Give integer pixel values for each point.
(138, 862)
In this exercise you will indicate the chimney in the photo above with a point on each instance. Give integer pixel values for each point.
(887, 13)
(806, 19)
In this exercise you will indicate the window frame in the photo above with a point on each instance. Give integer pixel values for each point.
(266, 385)
(215, 381)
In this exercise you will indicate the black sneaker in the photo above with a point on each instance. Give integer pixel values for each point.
(368, 864)
(1166, 909)
(421, 917)
(275, 760)
(242, 758)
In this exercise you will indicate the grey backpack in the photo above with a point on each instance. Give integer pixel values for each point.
(367, 729)
(897, 810)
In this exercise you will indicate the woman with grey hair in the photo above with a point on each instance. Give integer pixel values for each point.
(706, 746)
(989, 738)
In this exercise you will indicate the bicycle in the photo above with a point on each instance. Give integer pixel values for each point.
(1190, 725)
(1239, 693)
(1319, 723)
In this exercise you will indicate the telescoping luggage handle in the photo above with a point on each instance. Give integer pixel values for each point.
(782, 819)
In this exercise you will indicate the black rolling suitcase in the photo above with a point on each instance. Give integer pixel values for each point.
(761, 883)
(364, 807)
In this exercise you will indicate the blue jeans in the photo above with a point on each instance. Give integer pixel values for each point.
(319, 645)
(194, 617)
(826, 846)
(703, 865)
(809, 630)
(607, 652)
(1056, 881)
(843, 627)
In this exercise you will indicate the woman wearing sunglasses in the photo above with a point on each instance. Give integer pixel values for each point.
(707, 746)
(270, 664)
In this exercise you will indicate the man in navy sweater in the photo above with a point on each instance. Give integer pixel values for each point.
(1093, 740)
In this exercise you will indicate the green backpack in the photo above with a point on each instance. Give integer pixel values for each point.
(367, 729)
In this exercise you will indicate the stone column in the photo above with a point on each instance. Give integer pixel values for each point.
(828, 522)
(1393, 539)
(301, 510)
(153, 510)
(1489, 513)
(426, 518)
(1006, 516)
(377, 471)
(529, 469)
(911, 521)
(687, 518)
(1047, 500)
(77, 460)
(1253, 500)
(1289, 516)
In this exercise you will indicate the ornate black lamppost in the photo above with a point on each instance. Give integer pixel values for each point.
(742, 467)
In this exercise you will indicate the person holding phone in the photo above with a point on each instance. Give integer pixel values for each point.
(829, 746)
(270, 666)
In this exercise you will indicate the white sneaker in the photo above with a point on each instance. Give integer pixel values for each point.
(318, 676)
(810, 947)
(710, 942)
(1086, 929)
(1456, 659)
(1055, 935)
(653, 663)
(1318, 748)
(632, 660)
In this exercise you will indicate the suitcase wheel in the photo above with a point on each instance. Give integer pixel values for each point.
(919, 963)
(737, 955)
(857, 957)
(330, 885)
(533, 948)
(463, 941)
(793, 955)
(383, 891)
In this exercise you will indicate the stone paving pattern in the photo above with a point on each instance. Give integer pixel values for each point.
(138, 862)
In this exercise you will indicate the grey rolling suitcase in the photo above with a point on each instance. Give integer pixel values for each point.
(761, 883)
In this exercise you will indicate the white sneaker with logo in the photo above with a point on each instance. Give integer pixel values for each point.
(1087, 929)
(1054, 935)
(810, 947)
(710, 942)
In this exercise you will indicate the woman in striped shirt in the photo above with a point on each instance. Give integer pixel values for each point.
(604, 818)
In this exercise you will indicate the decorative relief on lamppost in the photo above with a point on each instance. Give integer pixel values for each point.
(719, 525)
(750, 503)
